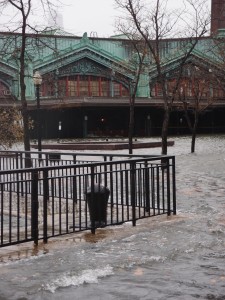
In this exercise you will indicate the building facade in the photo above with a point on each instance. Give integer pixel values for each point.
(87, 82)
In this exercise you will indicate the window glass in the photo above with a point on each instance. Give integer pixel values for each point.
(72, 86)
(82, 86)
(104, 87)
(94, 86)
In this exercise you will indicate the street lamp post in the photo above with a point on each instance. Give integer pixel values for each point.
(60, 128)
(37, 82)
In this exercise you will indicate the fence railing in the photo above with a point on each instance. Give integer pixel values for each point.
(10, 160)
(51, 200)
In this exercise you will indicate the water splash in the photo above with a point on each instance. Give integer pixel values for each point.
(70, 279)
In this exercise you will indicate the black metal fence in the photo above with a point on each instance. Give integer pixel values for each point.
(63, 196)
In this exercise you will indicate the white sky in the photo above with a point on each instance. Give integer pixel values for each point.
(96, 17)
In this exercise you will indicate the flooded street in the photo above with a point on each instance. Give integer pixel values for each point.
(176, 257)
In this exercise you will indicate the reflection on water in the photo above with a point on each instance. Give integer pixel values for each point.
(176, 257)
(98, 236)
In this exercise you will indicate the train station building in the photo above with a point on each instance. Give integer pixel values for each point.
(87, 82)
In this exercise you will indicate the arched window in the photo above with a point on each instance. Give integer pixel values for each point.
(82, 86)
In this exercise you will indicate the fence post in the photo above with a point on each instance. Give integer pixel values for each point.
(111, 182)
(147, 195)
(174, 186)
(34, 206)
(168, 188)
(92, 198)
(74, 180)
(133, 190)
(45, 205)
(105, 171)
(19, 164)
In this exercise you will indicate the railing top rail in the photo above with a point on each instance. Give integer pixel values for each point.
(88, 164)
(5, 152)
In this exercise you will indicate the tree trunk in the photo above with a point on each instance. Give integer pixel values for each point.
(131, 125)
(26, 137)
(165, 130)
(193, 137)
(24, 112)
(194, 133)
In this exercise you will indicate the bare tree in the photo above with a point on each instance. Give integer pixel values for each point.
(23, 9)
(138, 61)
(154, 23)
(195, 94)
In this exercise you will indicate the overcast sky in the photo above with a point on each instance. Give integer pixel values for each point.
(94, 16)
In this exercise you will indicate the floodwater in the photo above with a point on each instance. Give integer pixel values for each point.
(176, 257)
